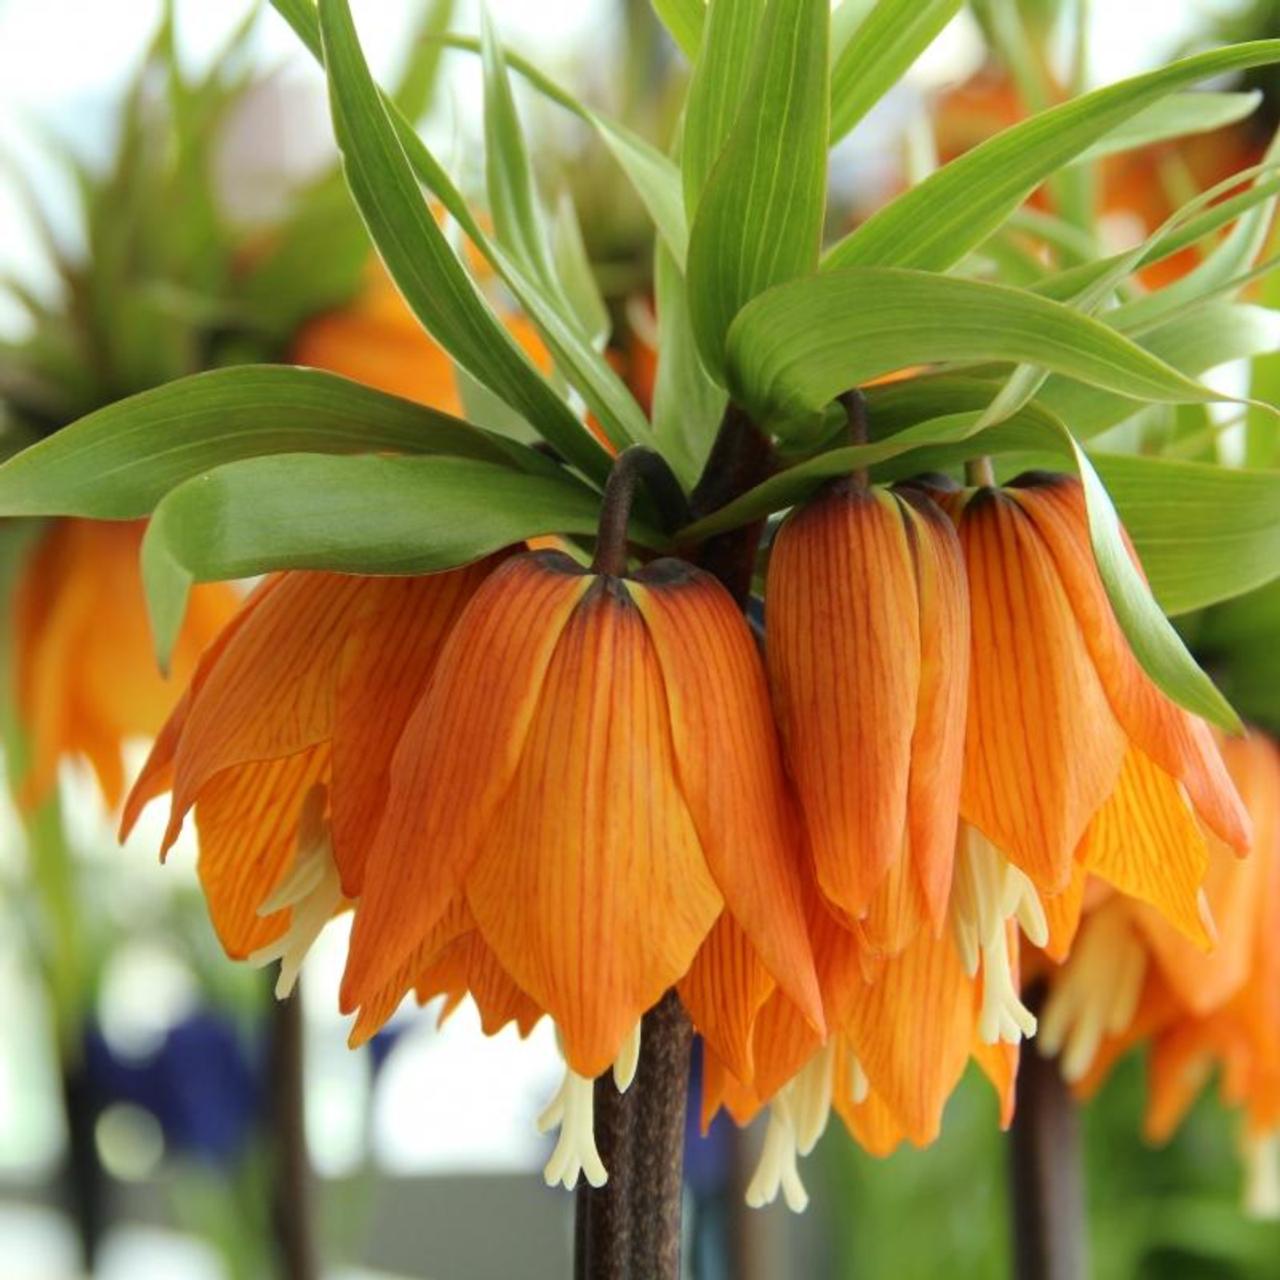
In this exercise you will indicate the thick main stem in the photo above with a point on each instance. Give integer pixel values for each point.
(1046, 1175)
(291, 1168)
(630, 1229)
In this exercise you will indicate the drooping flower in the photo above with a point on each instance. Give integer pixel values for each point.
(1074, 759)
(591, 786)
(283, 739)
(86, 672)
(867, 630)
(1132, 978)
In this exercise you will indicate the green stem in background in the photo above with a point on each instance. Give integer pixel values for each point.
(742, 457)
(1045, 1171)
(291, 1215)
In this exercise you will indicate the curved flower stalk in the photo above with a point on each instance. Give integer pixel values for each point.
(86, 675)
(1132, 978)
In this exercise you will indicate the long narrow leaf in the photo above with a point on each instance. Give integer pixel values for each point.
(797, 347)
(759, 222)
(419, 256)
(884, 44)
(957, 207)
(118, 462)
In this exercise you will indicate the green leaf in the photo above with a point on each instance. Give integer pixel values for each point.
(1205, 533)
(720, 78)
(513, 202)
(352, 515)
(883, 45)
(936, 223)
(573, 267)
(381, 175)
(417, 80)
(1178, 116)
(795, 348)
(1199, 339)
(687, 403)
(420, 258)
(1262, 431)
(684, 19)
(759, 221)
(654, 176)
(118, 462)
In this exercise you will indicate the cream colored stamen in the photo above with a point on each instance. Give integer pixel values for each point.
(987, 893)
(1261, 1157)
(312, 892)
(798, 1117)
(778, 1170)
(572, 1109)
(1096, 992)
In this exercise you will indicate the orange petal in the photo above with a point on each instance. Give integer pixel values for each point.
(591, 885)
(937, 746)
(469, 966)
(999, 1063)
(912, 1032)
(1062, 913)
(271, 691)
(1042, 750)
(844, 662)
(721, 1088)
(389, 656)
(247, 819)
(1181, 744)
(157, 773)
(1145, 841)
(456, 761)
(723, 992)
(729, 765)
(456, 922)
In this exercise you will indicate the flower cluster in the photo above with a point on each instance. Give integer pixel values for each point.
(563, 790)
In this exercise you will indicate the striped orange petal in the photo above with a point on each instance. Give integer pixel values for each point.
(1043, 749)
(844, 653)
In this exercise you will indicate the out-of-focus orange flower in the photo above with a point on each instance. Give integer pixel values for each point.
(378, 341)
(1131, 978)
(592, 787)
(87, 678)
(868, 644)
(282, 743)
(1139, 188)
(1075, 761)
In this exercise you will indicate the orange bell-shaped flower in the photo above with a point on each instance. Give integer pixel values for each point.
(594, 769)
(868, 646)
(1074, 759)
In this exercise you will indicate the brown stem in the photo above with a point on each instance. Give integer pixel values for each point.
(291, 1169)
(855, 406)
(741, 458)
(1046, 1177)
(630, 1229)
(632, 466)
